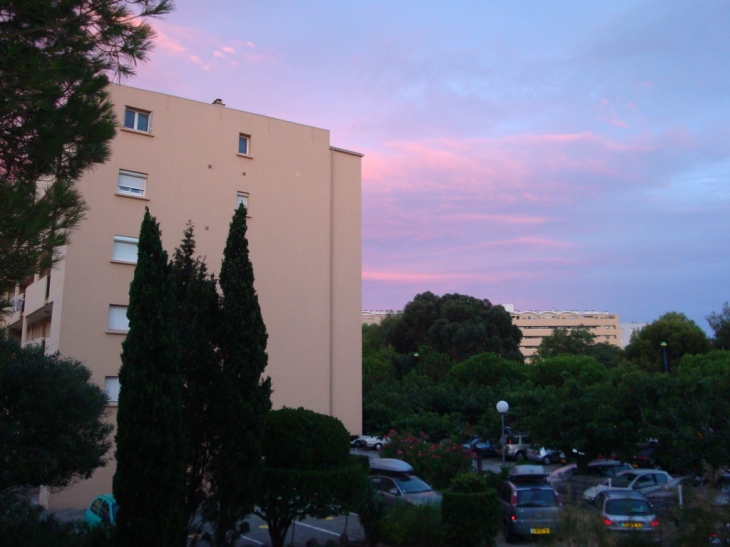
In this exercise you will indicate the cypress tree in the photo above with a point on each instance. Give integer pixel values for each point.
(196, 314)
(243, 398)
(150, 477)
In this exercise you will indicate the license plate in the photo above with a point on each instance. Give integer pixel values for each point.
(539, 530)
(632, 524)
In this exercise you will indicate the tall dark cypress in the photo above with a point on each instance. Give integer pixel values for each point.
(150, 477)
(196, 316)
(244, 397)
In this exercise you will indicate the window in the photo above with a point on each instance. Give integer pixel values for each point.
(111, 388)
(118, 318)
(243, 144)
(131, 183)
(125, 249)
(137, 120)
(241, 199)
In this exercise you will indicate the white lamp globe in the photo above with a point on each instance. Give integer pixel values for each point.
(502, 406)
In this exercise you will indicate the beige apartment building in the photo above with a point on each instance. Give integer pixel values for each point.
(192, 161)
(536, 325)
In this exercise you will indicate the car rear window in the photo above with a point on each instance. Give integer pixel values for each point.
(537, 497)
(628, 508)
(413, 485)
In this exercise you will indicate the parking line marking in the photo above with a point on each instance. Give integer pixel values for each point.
(320, 529)
(253, 540)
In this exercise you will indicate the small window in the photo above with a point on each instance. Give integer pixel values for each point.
(244, 145)
(137, 120)
(241, 199)
(118, 318)
(111, 388)
(125, 249)
(131, 183)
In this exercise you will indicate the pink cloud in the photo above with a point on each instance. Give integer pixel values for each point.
(218, 54)
(228, 49)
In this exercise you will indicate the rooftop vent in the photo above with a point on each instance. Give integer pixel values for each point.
(219, 102)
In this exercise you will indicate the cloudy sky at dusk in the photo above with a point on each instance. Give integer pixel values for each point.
(568, 154)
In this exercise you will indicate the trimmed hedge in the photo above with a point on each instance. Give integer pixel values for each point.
(470, 512)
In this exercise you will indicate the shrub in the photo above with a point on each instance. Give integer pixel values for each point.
(412, 525)
(470, 512)
(438, 464)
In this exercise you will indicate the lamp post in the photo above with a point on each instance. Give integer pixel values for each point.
(664, 350)
(502, 408)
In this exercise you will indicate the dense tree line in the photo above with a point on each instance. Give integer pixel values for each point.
(575, 394)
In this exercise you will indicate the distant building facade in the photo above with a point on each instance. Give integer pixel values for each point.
(536, 325)
(375, 317)
(627, 331)
(192, 161)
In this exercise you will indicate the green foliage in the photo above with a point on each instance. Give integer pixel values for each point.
(486, 369)
(431, 364)
(720, 324)
(577, 341)
(308, 470)
(196, 318)
(412, 526)
(56, 119)
(457, 325)
(470, 512)
(150, 477)
(438, 464)
(24, 524)
(377, 368)
(51, 418)
(243, 398)
(682, 336)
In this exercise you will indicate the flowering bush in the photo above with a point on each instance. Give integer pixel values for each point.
(436, 463)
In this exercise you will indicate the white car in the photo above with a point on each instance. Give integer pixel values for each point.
(639, 480)
(540, 454)
(368, 441)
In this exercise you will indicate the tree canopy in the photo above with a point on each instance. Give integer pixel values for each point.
(720, 323)
(681, 335)
(52, 427)
(457, 325)
(577, 341)
(56, 120)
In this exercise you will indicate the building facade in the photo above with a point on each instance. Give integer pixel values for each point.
(536, 325)
(192, 161)
(628, 330)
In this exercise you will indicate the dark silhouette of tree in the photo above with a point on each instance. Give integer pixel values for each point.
(720, 323)
(243, 397)
(150, 477)
(56, 120)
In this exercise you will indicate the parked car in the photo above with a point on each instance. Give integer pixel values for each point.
(640, 480)
(646, 456)
(628, 513)
(484, 448)
(368, 441)
(529, 506)
(540, 454)
(395, 482)
(103, 509)
(515, 446)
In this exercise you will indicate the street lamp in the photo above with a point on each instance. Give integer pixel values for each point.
(664, 349)
(503, 407)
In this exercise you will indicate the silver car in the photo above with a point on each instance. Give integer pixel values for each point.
(529, 505)
(639, 480)
(395, 482)
(628, 513)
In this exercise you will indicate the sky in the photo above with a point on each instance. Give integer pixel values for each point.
(569, 155)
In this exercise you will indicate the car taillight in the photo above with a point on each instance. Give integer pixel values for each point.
(654, 523)
(514, 500)
(512, 517)
(560, 502)
(607, 522)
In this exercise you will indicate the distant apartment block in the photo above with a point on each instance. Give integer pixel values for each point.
(536, 325)
(628, 330)
(375, 317)
(192, 161)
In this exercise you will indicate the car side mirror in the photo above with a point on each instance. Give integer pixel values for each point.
(394, 491)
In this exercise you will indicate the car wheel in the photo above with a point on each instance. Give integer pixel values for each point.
(378, 446)
(359, 444)
(547, 460)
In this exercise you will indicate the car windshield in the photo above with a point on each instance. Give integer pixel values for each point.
(623, 480)
(628, 508)
(537, 497)
(412, 485)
